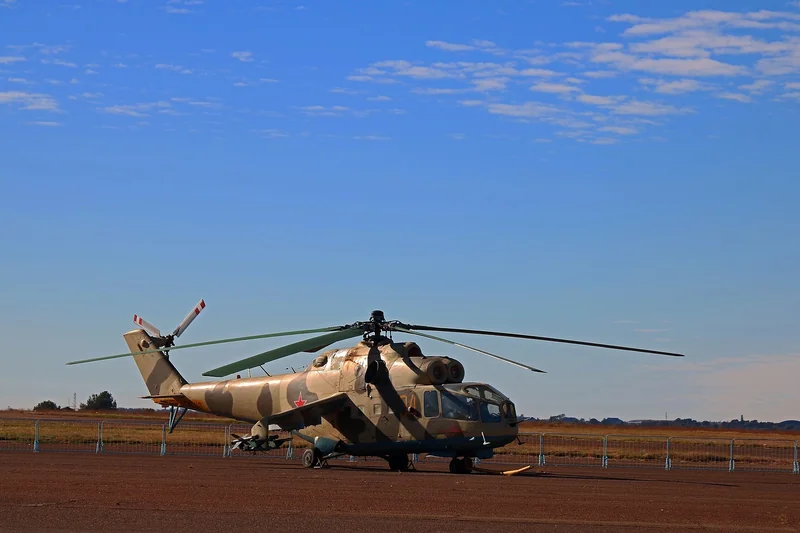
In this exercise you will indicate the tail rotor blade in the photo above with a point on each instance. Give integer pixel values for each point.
(189, 318)
(147, 326)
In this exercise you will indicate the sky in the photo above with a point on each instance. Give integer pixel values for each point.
(611, 171)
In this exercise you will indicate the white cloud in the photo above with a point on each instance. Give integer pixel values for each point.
(637, 107)
(5, 60)
(450, 47)
(371, 138)
(526, 110)
(792, 85)
(757, 87)
(379, 98)
(59, 62)
(435, 90)
(22, 81)
(46, 123)
(480, 45)
(598, 100)
(243, 56)
(174, 68)
(738, 97)
(676, 87)
(29, 101)
(598, 74)
(621, 130)
(556, 88)
(490, 84)
(135, 110)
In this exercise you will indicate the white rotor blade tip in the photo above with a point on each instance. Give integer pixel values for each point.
(189, 318)
(146, 325)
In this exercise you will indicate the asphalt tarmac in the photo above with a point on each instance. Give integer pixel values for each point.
(69, 492)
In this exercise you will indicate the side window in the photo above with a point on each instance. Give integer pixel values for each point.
(431, 404)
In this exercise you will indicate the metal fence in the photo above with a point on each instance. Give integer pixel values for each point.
(542, 449)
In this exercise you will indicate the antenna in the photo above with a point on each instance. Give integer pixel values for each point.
(74, 401)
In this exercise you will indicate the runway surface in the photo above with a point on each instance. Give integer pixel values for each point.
(75, 492)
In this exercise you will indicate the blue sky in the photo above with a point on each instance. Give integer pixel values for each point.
(610, 171)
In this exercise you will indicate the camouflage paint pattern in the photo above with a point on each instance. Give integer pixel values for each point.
(331, 398)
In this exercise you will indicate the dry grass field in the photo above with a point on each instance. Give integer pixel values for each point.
(539, 443)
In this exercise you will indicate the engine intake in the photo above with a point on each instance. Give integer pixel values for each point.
(435, 370)
(455, 371)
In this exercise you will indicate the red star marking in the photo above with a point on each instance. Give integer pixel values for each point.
(300, 402)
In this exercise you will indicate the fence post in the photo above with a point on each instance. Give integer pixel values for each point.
(796, 465)
(541, 449)
(604, 463)
(668, 464)
(163, 439)
(36, 439)
(731, 464)
(99, 447)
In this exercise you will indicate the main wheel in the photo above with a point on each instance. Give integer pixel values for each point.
(310, 457)
(461, 466)
(398, 461)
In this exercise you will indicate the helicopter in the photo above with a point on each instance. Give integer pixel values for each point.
(380, 397)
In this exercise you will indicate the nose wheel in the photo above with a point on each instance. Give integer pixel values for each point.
(461, 465)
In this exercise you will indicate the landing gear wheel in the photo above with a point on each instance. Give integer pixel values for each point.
(310, 457)
(398, 461)
(461, 466)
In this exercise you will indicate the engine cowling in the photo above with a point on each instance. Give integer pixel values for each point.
(455, 370)
(435, 370)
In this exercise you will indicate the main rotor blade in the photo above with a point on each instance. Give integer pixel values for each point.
(208, 343)
(536, 337)
(468, 348)
(283, 351)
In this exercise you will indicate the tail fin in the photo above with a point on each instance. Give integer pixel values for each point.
(159, 375)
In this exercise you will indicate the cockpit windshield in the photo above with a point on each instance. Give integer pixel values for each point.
(470, 401)
(457, 407)
(478, 390)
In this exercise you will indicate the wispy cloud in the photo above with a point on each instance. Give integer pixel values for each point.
(5, 60)
(371, 138)
(29, 101)
(738, 97)
(677, 64)
(173, 68)
(178, 6)
(135, 110)
(45, 123)
(243, 56)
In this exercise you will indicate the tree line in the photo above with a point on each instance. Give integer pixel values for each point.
(103, 401)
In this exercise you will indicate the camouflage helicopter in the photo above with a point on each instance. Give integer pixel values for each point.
(378, 398)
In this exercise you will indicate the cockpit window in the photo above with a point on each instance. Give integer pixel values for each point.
(431, 404)
(483, 392)
(458, 407)
(490, 412)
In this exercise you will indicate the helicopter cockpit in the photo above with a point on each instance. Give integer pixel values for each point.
(469, 402)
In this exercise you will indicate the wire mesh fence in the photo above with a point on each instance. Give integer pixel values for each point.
(636, 451)
(538, 449)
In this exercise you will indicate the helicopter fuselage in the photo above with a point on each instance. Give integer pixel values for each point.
(409, 404)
